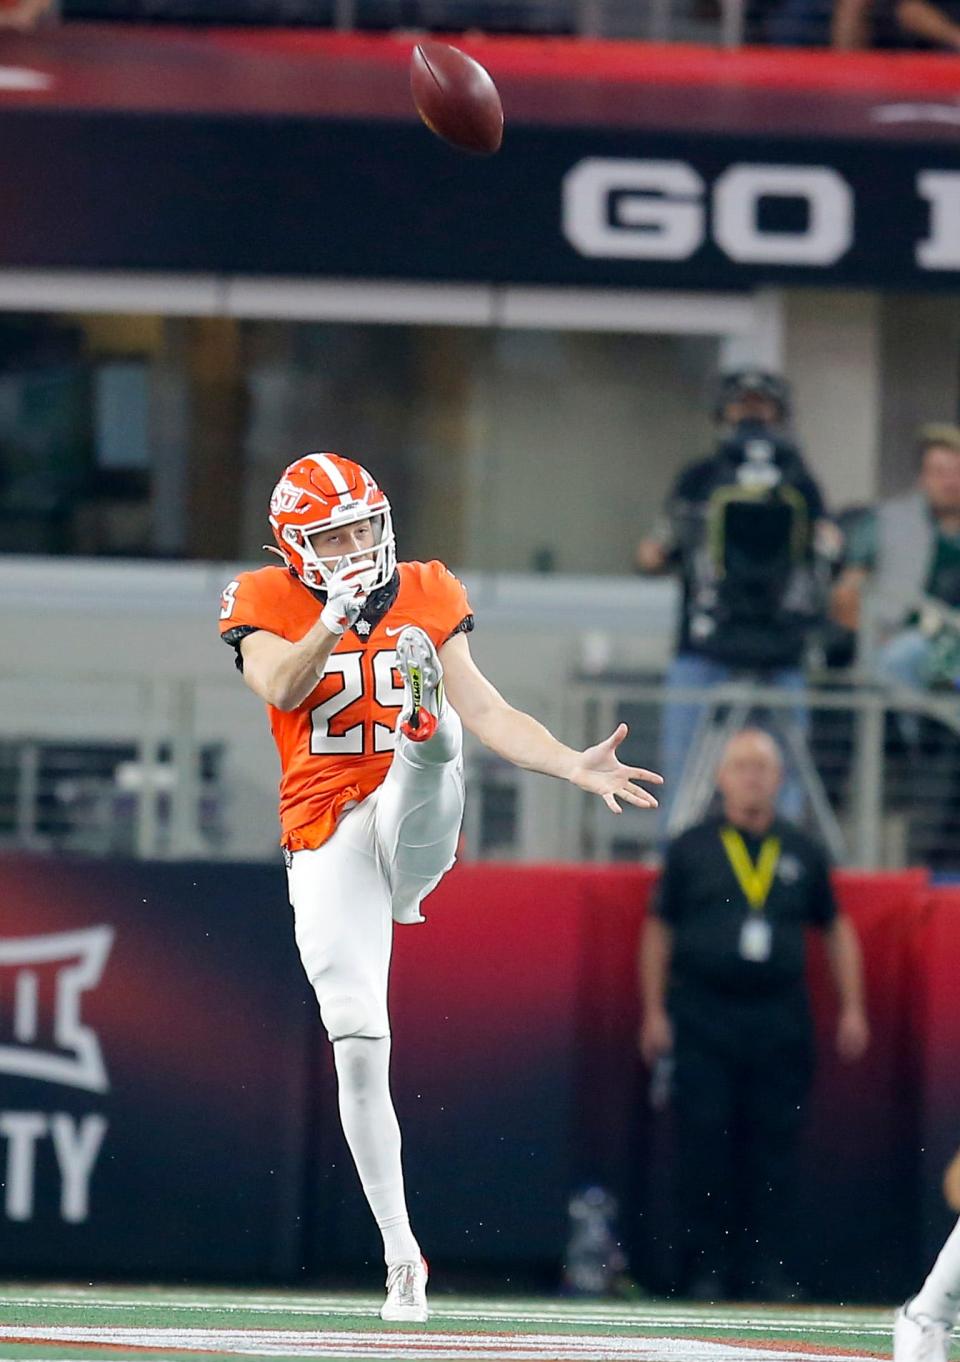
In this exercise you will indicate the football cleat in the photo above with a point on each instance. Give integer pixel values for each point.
(422, 674)
(919, 1339)
(406, 1293)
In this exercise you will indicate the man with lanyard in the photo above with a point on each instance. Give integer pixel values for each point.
(722, 967)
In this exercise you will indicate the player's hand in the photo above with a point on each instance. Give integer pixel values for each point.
(655, 1038)
(599, 771)
(347, 592)
(853, 1034)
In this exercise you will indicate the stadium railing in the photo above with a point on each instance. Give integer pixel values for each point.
(709, 21)
(164, 771)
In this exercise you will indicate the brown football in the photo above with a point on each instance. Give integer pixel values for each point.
(456, 97)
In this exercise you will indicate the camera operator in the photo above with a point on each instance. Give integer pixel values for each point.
(745, 529)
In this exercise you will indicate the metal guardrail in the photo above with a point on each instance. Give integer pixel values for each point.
(720, 21)
(151, 772)
(131, 778)
(886, 760)
(656, 20)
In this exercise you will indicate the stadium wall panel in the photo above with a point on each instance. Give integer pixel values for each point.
(167, 1106)
(280, 154)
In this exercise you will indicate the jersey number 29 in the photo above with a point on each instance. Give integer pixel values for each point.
(386, 692)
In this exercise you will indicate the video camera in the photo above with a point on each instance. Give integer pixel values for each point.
(754, 587)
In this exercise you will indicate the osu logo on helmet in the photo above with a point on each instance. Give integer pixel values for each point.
(286, 497)
(323, 492)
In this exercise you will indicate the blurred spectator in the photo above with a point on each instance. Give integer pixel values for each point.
(24, 14)
(906, 555)
(933, 25)
(894, 24)
(740, 528)
(722, 977)
(850, 26)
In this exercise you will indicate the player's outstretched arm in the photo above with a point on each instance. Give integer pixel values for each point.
(521, 739)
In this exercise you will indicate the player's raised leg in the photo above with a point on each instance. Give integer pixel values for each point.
(921, 1331)
(420, 804)
(341, 901)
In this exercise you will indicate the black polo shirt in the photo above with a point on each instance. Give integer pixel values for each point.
(700, 899)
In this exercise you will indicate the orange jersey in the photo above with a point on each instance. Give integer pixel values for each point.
(336, 747)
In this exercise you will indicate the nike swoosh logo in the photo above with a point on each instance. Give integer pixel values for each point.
(390, 632)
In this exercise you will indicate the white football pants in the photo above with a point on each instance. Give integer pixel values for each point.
(386, 855)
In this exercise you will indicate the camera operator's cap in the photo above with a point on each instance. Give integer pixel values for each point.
(739, 382)
(937, 433)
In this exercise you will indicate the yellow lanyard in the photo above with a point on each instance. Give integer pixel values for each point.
(756, 881)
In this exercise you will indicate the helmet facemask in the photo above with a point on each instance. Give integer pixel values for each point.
(316, 572)
(324, 492)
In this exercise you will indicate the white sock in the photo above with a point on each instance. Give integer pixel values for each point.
(373, 1134)
(939, 1297)
(445, 745)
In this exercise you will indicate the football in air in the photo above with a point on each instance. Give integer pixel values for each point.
(456, 98)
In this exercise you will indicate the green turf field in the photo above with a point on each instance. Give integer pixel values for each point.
(65, 1323)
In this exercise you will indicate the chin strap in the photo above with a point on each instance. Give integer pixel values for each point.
(269, 548)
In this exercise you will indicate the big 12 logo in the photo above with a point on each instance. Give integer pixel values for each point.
(42, 1037)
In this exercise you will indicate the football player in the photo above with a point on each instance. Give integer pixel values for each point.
(366, 671)
(922, 1328)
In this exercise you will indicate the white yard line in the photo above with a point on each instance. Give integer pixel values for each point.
(416, 1347)
(635, 1317)
(212, 1295)
(309, 1301)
